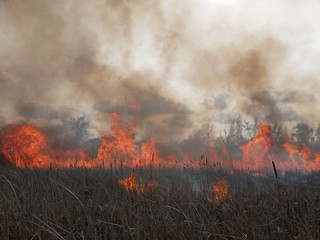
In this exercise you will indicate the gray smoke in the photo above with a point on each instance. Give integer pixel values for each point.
(158, 62)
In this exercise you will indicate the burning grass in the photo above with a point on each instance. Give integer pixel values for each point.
(91, 204)
(220, 191)
(131, 184)
(26, 146)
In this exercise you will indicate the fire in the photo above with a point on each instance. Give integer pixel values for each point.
(150, 153)
(295, 150)
(255, 152)
(130, 184)
(71, 159)
(24, 146)
(219, 191)
(302, 157)
(119, 149)
(27, 146)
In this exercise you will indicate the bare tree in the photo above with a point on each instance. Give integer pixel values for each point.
(303, 133)
(71, 133)
(207, 131)
(279, 133)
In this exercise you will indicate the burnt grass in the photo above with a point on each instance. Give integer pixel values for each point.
(90, 204)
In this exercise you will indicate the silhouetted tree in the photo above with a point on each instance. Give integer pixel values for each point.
(303, 133)
(240, 131)
(206, 131)
(316, 142)
(70, 134)
(279, 133)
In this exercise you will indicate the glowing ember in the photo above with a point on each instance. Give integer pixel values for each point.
(219, 191)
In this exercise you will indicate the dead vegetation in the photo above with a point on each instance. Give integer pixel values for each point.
(90, 204)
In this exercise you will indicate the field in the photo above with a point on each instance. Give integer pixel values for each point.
(91, 204)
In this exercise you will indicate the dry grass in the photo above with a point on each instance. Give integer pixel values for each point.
(90, 204)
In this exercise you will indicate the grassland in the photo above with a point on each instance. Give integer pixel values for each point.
(90, 204)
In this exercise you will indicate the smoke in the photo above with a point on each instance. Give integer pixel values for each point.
(2, 121)
(38, 111)
(143, 103)
(159, 62)
(266, 106)
(295, 96)
(219, 102)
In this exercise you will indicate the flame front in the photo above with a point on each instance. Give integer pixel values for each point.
(27, 146)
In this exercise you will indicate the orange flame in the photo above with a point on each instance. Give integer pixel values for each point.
(301, 157)
(219, 191)
(27, 146)
(256, 151)
(24, 146)
(122, 150)
(130, 184)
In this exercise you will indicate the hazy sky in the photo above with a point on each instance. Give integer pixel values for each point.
(165, 63)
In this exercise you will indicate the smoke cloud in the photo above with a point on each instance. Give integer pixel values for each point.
(158, 62)
(266, 106)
